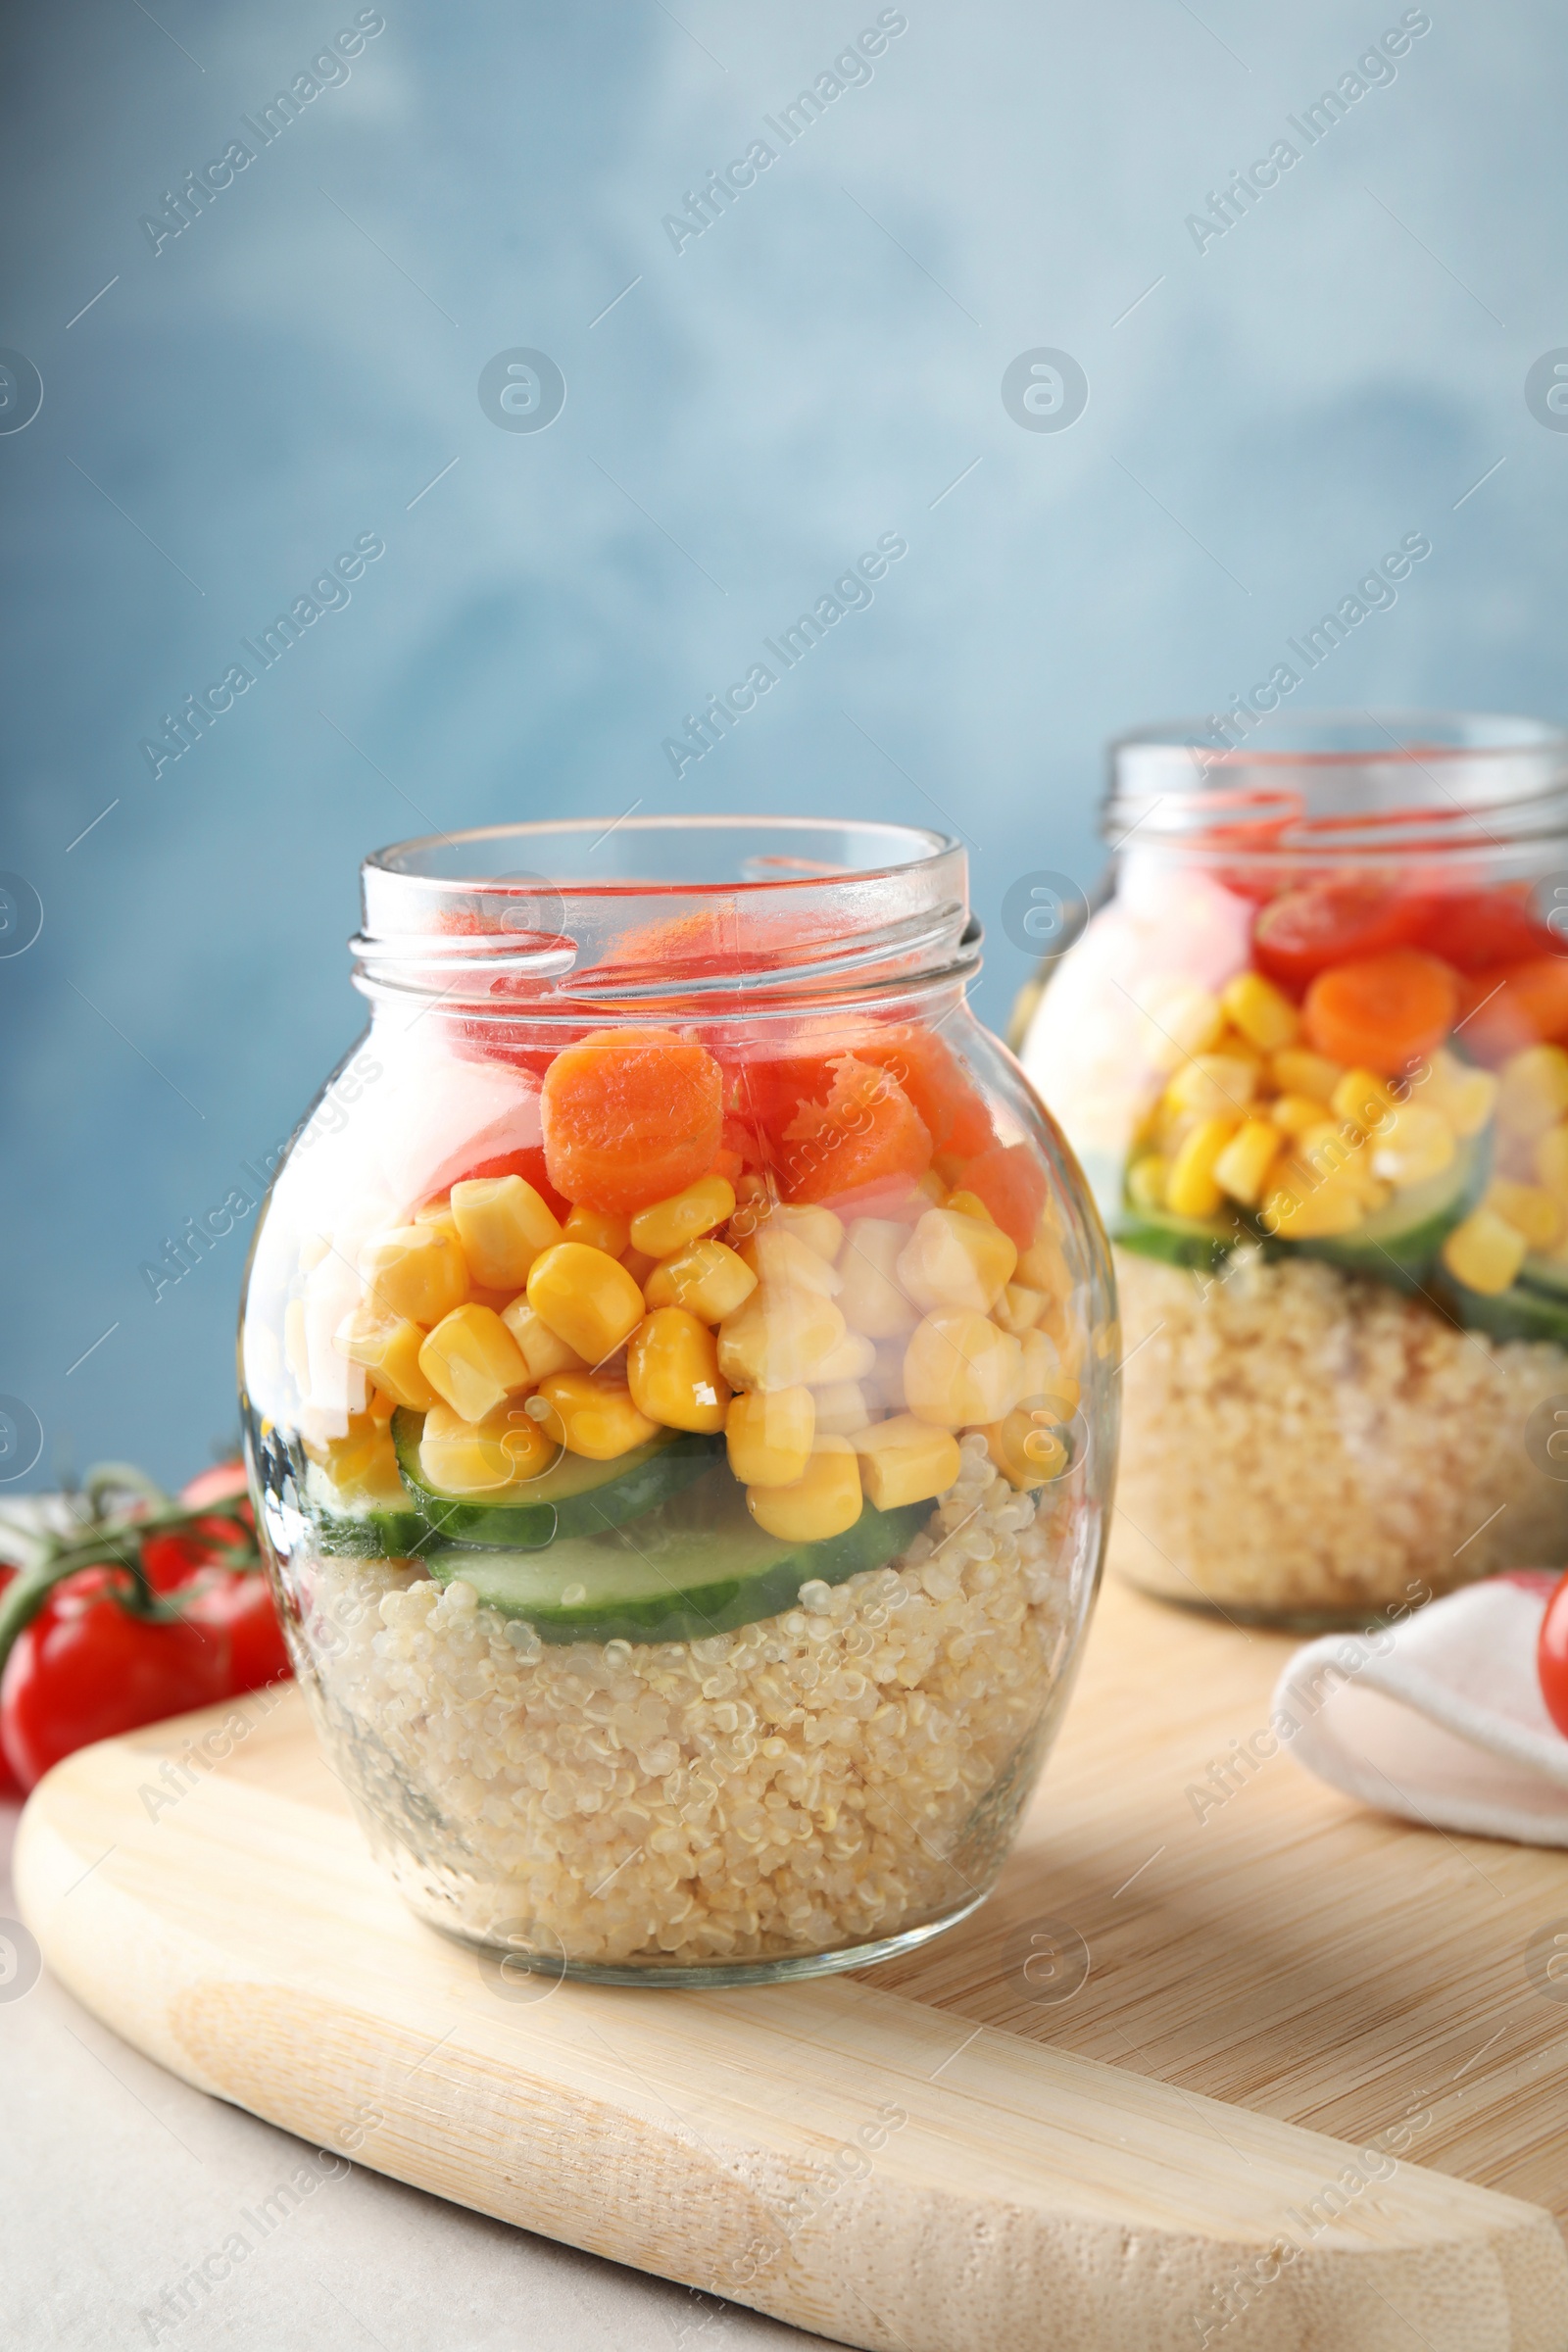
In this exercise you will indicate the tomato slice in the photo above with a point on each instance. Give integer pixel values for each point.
(1306, 931)
(1551, 1656)
(1473, 930)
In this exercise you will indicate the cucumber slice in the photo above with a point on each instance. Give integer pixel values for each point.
(1546, 1274)
(574, 1498)
(1517, 1313)
(1399, 1242)
(378, 1528)
(702, 1566)
(1202, 1242)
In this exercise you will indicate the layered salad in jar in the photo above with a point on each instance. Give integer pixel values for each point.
(674, 1469)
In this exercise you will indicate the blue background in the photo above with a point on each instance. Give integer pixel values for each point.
(1276, 412)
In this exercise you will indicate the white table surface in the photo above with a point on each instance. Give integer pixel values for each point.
(117, 2179)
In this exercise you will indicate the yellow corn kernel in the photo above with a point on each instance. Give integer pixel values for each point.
(438, 1213)
(873, 1299)
(480, 1457)
(810, 1222)
(1340, 1156)
(668, 1225)
(593, 1417)
(1550, 1159)
(415, 1272)
(1212, 1086)
(1415, 1142)
(1264, 1018)
(768, 1436)
(1043, 1382)
(779, 1339)
(1042, 1267)
(1191, 1190)
(840, 1408)
(1466, 1096)
(390, 1348)
(1532, 1094)
(362, 1463)
(641, 1267)
(503, 1224)
(672, 1371)
(966, 1204)
(472, 1360)
(853, 1358)
(1242, 1168)
(1019, 1309)
(1295, 1072)
(597, 1231)
(885, 1381)
(1026, 1448)
(1147, 1179)
(707, 1278)
(906, 1460)
(954, 1260)
(960, 1369)
(586, 1299)
(1307, 1207)
(381, 1407)
(1484, 1253)
(775, 1254)
(824, 1500)
(1293, 1114)
(931, 1189)
(1529, 1208)
(1181, 1018)
(1362, 1098)
(542, 1352)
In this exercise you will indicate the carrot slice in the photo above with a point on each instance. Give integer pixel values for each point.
(1515, 1004)
(867, 1133)
(931, 1074)
(1010, 1179)
(1384, 1013)
(630, 1116)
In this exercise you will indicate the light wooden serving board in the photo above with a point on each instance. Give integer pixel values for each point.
(1197, 2144)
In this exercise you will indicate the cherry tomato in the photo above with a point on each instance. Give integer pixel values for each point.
(238, 1605)
(1306, 931)
(1551, 1656)
(87, 1669)
(223, 1482)
(1477, 929)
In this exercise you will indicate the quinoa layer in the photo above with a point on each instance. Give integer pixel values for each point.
(820, 1778)
(1299, 1439)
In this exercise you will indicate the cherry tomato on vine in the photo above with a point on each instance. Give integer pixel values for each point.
(240, 1606)
(1551, 1656)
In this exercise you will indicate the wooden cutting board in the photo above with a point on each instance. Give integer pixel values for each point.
(1154, 2094)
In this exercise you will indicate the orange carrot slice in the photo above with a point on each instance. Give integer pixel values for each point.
(1384, 1013)
(1010, 1179)
(1515, 1004)
(867, 1133)
(630, 1116)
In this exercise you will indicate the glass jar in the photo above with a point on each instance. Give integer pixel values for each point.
(678, 1370)
(1310, 1053)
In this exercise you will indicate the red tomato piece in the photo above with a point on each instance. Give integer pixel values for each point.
(1306, 931)
(238, 1605)
(1473, 930)
(1514, 1004)
(1010, 1179)
(866, 1136)
(1551, 1656)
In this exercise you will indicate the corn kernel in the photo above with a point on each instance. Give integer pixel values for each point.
(1184, 1019)
(775, 1254)
(1026, 1448)
(873, 1299)
(906, 1460)
(1466, 1096)
(1242, 1168)
(668, 1225)
(1147, 1179)
(1042, 1267)
(1363, 1099)
(414, 1272)
(641, 1267)
(1529, 1208)
(390, 1348)
(932, 1190)
(1044, 1382)
(769, 1435)
(672, 1371)
(1191, 1190)
(954, 1260)
(840, 1408)
(597, 1231)
(966, 1204)
(1550, 1159)
(1019, 1309)
(1415, 1142)
(593, 1417)
(1484, 1253)
(1264, 1018)
(960, 1369)
(1534, 1092)
(1338, 1156)
(502, 1225)
(503, 1450)
(472, 1360)
(381, 1407)
(1212, 1086)
(853, 1358)
(707, 1278)
(1307, 1207)
(542, 1352)
(1295, 1072)
(823, 1502)
(1293, 1114)
(362, 1463)
(438, 1213)
(586, 1299)
(810, 1222)
(779, 1339)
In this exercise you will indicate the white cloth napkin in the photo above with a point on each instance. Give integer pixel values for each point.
(1438, 1717)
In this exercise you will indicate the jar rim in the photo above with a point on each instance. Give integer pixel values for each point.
(403, 857)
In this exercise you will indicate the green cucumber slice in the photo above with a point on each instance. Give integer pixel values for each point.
(1517, 1313)
(1200, 1242)
(702, 1566)
(574, 1498)
(1399, 1242)
(1546, 1274)
(378, 1530)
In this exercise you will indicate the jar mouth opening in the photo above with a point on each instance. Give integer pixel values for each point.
(659, 910)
